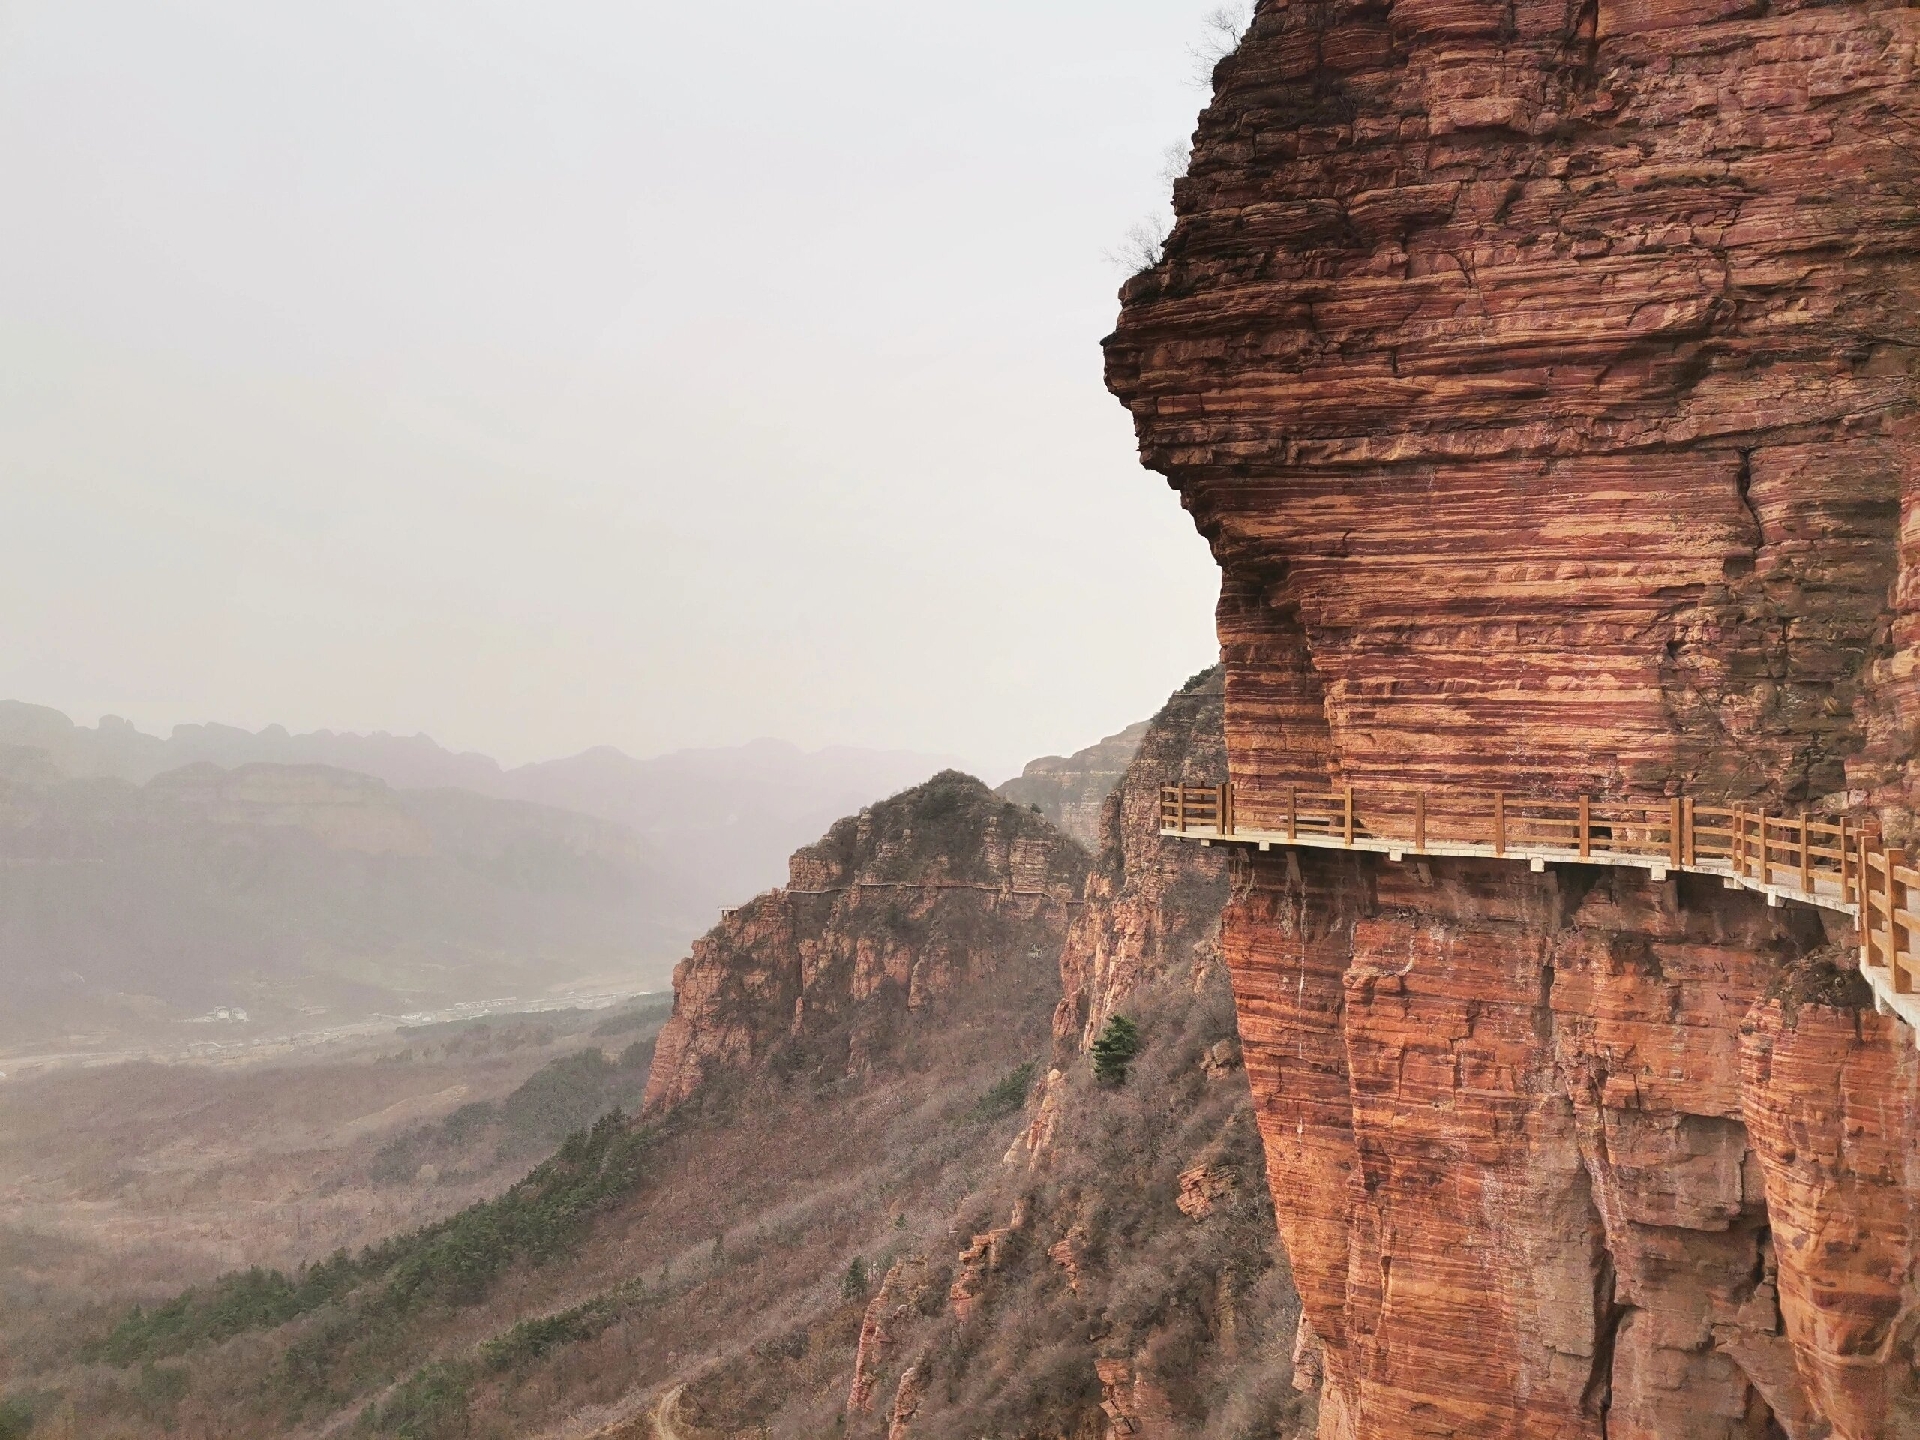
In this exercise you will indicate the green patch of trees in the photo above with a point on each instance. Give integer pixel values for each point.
(454, 1262)
(16, 1418)
(1008, 1094)
(532, 1340)
(430, 1405)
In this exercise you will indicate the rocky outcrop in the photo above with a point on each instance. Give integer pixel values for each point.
(1203, 1187)
(1122, 1277)
(977, 1265)
(1152, 904)
(1135, 1404)
(906, 1403)
(942, 888)
(1072, 790)
(1545, 382)
(901, 1296)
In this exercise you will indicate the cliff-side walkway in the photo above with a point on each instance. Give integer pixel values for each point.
(1837, 865)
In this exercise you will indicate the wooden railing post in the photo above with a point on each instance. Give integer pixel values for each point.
(1586, 827)
(1806, 856)
(1846, 892)
(1180, 805)
(1689, 854)
(1863, 894)
(1676, 832)
(1499, 824)
(1293, 812)
(1420, 820)
(1226, 808)
(1899, 938)
(1349, 799)
(1739, 856)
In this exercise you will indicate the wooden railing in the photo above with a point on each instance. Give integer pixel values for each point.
(1837, 864)
(1887, 927)
(1794, 852)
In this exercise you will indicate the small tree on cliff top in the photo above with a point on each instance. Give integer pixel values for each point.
(1114, 1050)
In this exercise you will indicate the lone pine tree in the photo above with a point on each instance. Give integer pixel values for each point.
(1114, 1050)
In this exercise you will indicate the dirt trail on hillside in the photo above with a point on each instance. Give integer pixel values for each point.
(663, 1426)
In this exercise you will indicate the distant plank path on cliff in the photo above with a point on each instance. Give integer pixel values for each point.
(1838, 865)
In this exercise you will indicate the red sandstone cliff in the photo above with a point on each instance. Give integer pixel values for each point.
(1544, 379)
(894, 911)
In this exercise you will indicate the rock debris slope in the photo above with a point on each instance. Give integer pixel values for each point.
(1544, 378)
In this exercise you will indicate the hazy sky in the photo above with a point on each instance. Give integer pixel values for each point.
(542, 375)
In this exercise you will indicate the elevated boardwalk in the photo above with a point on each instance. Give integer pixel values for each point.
(1837, 865)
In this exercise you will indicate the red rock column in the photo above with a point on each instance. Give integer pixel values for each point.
(1649, 996)
(1427, 1179)
(1832, 1100)
(1288, 941)
(1480, 1206)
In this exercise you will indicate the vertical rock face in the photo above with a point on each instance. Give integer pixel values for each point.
(1072, 790)
(1528, 1187)
(1546, 373)
(1546, 379)
(1152, 904)
(894, 911)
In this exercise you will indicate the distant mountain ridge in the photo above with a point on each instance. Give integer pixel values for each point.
(287, 898)
(728, 817)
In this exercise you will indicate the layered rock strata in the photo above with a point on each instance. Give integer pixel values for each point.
(1152, 903)
(893, 912)
(1072, 790)
(1546, 379)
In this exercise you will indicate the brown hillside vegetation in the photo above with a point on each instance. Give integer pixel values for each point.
(120, 1183)
(865, 1203)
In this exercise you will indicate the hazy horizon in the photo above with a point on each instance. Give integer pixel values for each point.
(102, 723)
(543, 378)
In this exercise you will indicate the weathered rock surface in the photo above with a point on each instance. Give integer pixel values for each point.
(1072, 790)
(1546, 380)
(1152, 903)
(1123, 1277)
(1546, 374)
(894, 911)
(1507, 1132)
(901, 1296)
